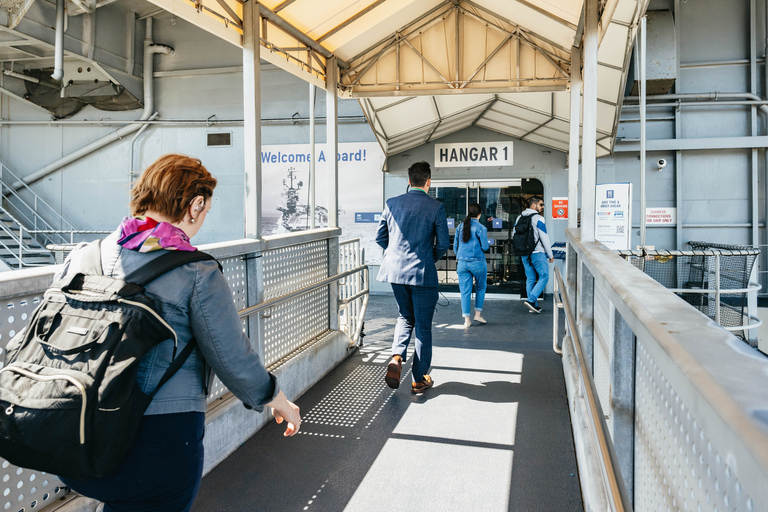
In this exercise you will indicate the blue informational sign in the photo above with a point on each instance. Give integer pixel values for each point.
(367, 217)
(496, 224)
(491, 241)
(451, 223)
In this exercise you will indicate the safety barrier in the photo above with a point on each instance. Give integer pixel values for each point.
(288, 290)
(716, 279)
(679, 394)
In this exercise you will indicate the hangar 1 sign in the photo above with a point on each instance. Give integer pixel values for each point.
(473, 154)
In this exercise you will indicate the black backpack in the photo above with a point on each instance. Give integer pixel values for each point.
(524, 241)
(70, 404)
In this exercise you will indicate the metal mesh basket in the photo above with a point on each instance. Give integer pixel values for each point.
(700, 270)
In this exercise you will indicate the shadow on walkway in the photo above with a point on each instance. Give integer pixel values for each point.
(492, 435)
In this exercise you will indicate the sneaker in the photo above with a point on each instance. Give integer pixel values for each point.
(533, 307)
(418, 388)
(393, 372)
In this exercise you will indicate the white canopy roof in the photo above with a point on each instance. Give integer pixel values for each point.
(425, 68)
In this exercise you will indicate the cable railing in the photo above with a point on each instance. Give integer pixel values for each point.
(618, 495)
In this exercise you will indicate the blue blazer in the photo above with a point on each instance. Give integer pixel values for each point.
(414, 234)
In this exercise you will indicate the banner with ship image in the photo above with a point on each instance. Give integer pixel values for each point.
(285, 194)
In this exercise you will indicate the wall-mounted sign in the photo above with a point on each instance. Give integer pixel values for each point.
(613, 215)
(473, 154)
(451, 223)
(559, 207)
(496, 224)
(661, 216)
(363, 217)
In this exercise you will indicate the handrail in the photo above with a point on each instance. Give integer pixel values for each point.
(617, 490)
(282, 298)
(36, 196)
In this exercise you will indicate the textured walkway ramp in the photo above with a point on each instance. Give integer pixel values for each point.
(492, 435)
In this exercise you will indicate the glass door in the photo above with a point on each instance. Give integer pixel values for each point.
(501, 201)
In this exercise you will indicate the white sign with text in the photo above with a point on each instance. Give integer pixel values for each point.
(285, 190)
(661, 216)
(613, 215)
(473, 154)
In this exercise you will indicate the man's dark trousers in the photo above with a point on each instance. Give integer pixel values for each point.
(416, 305)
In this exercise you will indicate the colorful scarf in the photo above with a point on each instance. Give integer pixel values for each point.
(145, 234)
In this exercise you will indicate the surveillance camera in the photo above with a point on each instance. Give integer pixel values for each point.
(661, 163)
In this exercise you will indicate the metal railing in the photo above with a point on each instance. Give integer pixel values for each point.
(711, 275)
(292, 277)
(31, 213)
(680, 395)
(618, 496)
(353, 291)
(17, 253)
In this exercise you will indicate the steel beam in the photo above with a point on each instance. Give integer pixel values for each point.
(332, 141)
(574, 140)
(589, 144)
(713, 143)
(252, 124)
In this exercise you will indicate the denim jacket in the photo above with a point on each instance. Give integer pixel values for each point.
(478, 242)
(194, 299)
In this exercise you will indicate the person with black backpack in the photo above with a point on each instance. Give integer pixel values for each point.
(107, 385)
(531, 242)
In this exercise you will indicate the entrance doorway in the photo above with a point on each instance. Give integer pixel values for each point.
(501, 201)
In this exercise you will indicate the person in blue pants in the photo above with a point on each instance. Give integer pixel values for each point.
(536, 264)
(413, 232)
(470, 243)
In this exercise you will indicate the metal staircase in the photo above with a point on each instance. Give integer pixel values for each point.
(24, 232)
(18, 249)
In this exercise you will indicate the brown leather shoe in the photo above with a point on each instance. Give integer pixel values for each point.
(418, 388)
(393, 372)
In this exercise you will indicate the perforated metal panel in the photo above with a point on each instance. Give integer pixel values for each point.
(295, 323)
(22, 489)
(678, 466)
(603, 355)
(292, 324)
(235, 273)
(291, 268)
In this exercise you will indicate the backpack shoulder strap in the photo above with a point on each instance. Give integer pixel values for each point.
(176, 364)
(91, 259)
(165, 263)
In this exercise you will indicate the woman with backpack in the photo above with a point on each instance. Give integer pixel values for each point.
(162, 471)
(470, 243)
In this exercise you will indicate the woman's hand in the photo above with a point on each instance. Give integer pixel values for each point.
(282, 409)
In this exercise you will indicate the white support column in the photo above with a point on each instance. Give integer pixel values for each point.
(252, 113)
(313, 157)
(573, 149)
(589, 139)
(643, 171)
(332, 140)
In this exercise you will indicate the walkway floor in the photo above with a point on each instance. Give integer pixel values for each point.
(492, 435)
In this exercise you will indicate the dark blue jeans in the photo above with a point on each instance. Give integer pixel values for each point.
(160, 474)
(416, 305)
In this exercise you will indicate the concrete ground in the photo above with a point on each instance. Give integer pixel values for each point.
(492, 435)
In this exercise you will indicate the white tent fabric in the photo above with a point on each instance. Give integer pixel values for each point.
(423, 69)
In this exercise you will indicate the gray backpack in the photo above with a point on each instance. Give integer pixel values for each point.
(70, 404)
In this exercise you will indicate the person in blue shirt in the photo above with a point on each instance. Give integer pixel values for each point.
(469, 244)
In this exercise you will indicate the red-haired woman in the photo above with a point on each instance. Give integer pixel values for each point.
(163, 470)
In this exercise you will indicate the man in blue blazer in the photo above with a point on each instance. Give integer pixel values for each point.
(414, 234)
